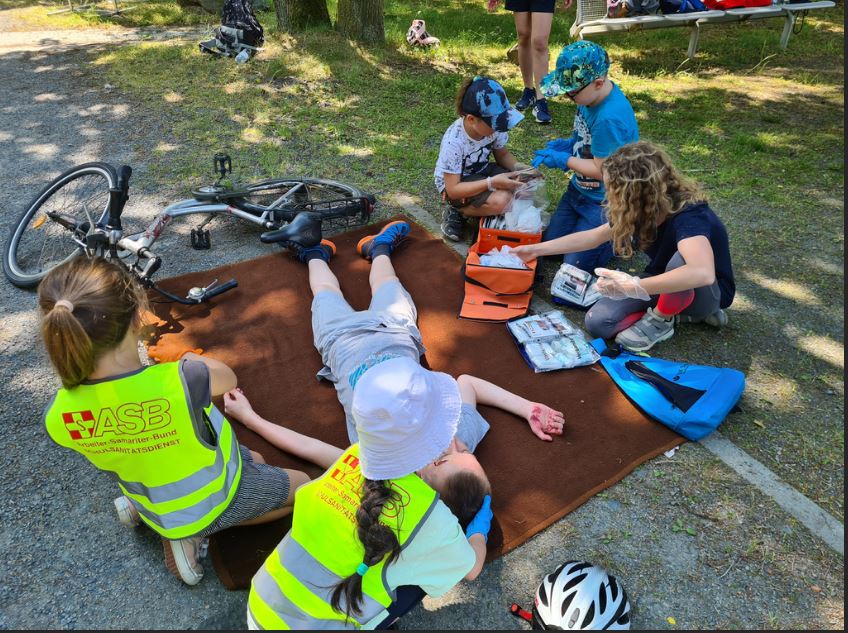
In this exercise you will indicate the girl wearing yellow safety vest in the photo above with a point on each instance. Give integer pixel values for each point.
(154, 428)
(405, 510)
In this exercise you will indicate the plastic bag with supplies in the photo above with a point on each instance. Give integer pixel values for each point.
(526, 212)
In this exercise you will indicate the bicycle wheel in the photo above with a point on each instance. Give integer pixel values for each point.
(329, 198)
(37, 244)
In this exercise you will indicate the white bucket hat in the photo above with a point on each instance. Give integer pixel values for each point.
(405, 417)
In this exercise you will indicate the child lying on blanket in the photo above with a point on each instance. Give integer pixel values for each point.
(352, 342)
(412, 431)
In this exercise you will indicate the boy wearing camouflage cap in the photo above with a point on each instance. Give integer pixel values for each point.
(604, 122)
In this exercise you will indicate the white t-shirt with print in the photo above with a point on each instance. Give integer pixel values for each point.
(457, 147)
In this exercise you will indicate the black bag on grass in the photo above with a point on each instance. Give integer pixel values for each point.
(239, 31)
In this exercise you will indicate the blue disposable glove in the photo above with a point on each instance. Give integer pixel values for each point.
(482, 521)
(562, 145)
(551, 158)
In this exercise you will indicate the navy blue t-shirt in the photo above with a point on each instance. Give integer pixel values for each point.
(690, 221)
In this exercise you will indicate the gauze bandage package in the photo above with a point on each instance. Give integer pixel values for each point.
(549, 341)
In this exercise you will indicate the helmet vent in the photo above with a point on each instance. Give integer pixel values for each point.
(543, 595)
(567, 602)
(613, 585)
(590, 614)
(602, 598)
(574, 582)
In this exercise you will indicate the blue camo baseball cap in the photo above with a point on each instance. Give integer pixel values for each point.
(578, 64)
(486, 99)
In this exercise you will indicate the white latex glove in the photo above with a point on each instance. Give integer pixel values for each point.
(615, 284)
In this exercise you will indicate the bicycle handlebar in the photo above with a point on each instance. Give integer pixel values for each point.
(232, 283)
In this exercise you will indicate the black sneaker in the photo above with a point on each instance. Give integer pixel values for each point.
(540, 111)
(325, 250)
(453, 223)
(527, 100)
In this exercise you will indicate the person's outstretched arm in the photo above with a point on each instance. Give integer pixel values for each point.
(543, 420)
(573, 243)
(236, 405)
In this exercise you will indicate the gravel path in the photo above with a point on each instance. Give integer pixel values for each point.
(67, 563)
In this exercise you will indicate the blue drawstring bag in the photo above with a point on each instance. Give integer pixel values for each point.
(691, 400)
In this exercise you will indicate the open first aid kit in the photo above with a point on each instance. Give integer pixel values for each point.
(549, 341)
(497, 293)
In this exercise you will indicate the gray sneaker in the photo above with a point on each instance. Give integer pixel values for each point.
(127, 513)
(717, 319)
(646, 332)
(182, 558)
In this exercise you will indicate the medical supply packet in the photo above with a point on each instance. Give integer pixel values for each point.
(549, 341)
(575, 285)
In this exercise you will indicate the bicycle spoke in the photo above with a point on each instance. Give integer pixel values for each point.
(44, 243)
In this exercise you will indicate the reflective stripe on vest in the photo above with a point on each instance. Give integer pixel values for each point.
(293, 588)
(150, 446)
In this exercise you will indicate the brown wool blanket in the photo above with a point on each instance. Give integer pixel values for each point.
(262, 329)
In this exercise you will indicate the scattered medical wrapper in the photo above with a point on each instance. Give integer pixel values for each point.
(549, 341)
(575, 285)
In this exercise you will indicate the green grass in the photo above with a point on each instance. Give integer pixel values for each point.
(761, 128)
(26, 15)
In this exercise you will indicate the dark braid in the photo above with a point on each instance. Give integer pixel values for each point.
(378, 539)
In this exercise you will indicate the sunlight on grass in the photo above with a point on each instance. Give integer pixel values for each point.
(140, 13)
(821, 347)
(785, 288)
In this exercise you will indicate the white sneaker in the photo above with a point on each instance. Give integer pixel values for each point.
(182, 558)
(127, 513)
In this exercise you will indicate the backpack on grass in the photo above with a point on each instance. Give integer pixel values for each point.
(239, 32)
(691, 400)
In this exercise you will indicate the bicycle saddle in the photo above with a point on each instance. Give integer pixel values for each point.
(304, 230)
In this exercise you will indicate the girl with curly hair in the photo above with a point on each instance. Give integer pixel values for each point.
(653, 208)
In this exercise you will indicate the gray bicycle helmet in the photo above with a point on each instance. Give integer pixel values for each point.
(580, 595)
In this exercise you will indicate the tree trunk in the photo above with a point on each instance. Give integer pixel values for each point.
(361, 20)
(295, 15)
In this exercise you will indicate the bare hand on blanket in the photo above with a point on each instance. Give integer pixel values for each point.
(545, 422)
(618, 285)
(238, 406)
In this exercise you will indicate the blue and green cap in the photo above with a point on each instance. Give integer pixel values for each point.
(486, 99)
(578, 64)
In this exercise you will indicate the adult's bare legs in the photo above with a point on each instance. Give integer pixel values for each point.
(540, 33)
(523, 29)
(322, 278)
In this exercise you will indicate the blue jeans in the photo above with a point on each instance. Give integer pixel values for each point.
(577, 212)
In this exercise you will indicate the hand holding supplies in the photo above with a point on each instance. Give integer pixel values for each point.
(575, 285)
(549, 341)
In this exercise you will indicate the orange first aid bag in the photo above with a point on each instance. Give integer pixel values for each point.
(493, 293)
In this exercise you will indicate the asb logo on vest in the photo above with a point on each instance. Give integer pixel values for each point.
(128, 419)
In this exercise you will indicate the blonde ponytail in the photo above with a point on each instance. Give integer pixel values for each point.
(87, 306)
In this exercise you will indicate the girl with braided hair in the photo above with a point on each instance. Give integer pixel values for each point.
(652, 207)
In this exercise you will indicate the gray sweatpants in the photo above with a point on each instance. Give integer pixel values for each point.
(605, 318)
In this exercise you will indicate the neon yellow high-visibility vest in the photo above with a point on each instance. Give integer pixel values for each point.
(293, 588)
(139, 429)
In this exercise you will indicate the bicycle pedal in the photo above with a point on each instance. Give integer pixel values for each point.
(200, 239)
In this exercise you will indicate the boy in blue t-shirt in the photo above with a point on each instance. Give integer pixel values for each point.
(604, 122)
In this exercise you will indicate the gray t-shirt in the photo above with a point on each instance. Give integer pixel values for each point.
(472, 428)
